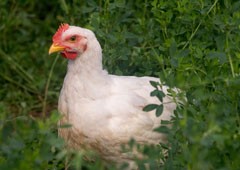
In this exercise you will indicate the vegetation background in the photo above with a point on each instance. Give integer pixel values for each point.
(191, 44)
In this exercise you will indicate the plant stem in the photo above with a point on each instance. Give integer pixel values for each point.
(200, 23)
(231, 65)
(229, 56)
(192, 35)
(47, 87)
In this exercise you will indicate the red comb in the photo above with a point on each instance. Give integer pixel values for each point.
(57, 36)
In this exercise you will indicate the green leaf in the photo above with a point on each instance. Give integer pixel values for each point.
(183, 53)
(154, 83)
(165, 122)
(173, 49)
(160, 95)
(162, 129)
(150, 107)
(164, 146)
(221, 56)
(159, 110)
(154, 93)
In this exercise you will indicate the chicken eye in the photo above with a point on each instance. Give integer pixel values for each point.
(73, 38)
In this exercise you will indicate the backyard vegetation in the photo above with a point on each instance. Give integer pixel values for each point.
(193, 45)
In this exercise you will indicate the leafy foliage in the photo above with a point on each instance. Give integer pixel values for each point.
(190, 44)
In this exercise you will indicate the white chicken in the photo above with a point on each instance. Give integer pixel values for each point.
(105, 110)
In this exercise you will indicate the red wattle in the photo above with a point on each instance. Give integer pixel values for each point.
(69, 55)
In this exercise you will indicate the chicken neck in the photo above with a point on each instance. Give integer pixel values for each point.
(86, 73)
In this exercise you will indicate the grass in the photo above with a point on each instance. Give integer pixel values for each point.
(193, 45)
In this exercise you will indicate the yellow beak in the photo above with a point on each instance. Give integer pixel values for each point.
(55, 48)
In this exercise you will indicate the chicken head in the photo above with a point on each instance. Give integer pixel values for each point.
(69, 42)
